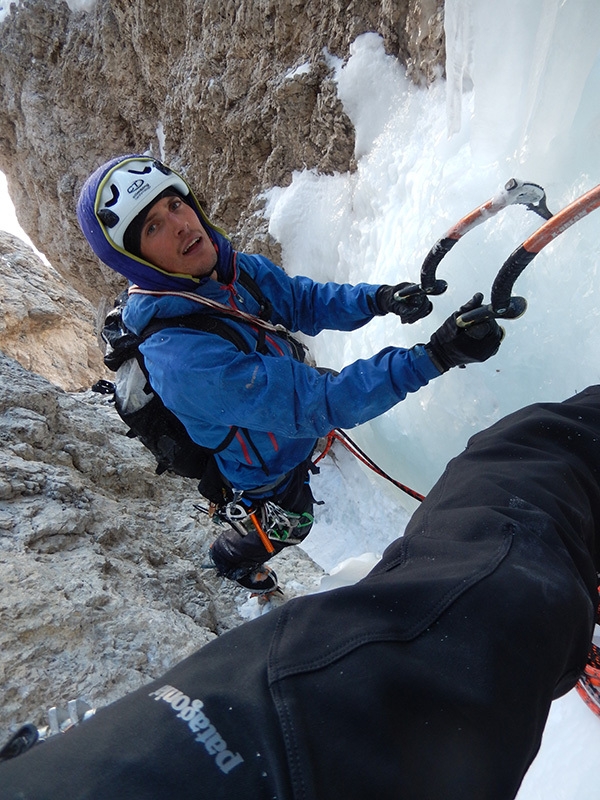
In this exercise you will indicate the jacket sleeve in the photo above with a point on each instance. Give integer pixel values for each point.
(302, 304)
(278, 395)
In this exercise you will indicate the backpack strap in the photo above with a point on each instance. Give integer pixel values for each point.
(253, 289)
(265, 306)
(211, 323)
(265, 311)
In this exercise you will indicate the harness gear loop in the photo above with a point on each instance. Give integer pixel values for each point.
(271, 522)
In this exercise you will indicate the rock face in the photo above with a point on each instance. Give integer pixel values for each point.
(102, 577)
(45, 324)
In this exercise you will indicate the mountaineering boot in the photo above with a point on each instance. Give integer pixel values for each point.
(261, 580)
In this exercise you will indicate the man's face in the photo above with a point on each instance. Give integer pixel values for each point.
(174, 239)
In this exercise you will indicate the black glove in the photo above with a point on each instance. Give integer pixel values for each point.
(453, 346)
(409, 308)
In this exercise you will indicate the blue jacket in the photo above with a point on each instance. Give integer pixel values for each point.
(210, 385)
(286, 405)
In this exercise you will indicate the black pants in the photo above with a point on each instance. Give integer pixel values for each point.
(235, 555)
(431, 678)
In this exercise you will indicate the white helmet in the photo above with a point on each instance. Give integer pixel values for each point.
(128, 188)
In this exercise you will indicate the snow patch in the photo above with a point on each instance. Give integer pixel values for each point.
(303, 69)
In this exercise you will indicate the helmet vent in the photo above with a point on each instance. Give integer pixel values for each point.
(108, 217)
(114, 198)
(162, 168)
(143, 171)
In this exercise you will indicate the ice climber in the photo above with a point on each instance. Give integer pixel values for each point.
(430, 679)
(262, 411)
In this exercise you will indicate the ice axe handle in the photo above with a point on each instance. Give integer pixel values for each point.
(516, 308)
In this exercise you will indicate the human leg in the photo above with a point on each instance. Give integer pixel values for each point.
(443, 662)
(285, 518)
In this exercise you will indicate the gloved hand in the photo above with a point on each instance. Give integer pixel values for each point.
(453, 346)
(409, 309)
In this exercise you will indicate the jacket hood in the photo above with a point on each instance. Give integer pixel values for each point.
(135, 269)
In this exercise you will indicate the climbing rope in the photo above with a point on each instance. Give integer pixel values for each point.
(352, 447)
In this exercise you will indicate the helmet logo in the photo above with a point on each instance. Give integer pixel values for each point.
(138, 188)
(135, 185)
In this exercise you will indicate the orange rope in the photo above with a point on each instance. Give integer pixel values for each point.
(327, 448)
(353, 448)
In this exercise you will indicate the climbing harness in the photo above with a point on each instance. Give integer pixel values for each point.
(270, 521)
(352, 447)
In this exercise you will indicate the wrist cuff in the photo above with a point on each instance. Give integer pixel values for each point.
(434, 360)
(373, 303)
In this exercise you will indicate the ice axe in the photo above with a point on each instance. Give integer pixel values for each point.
(514, 192)
(503, 304)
